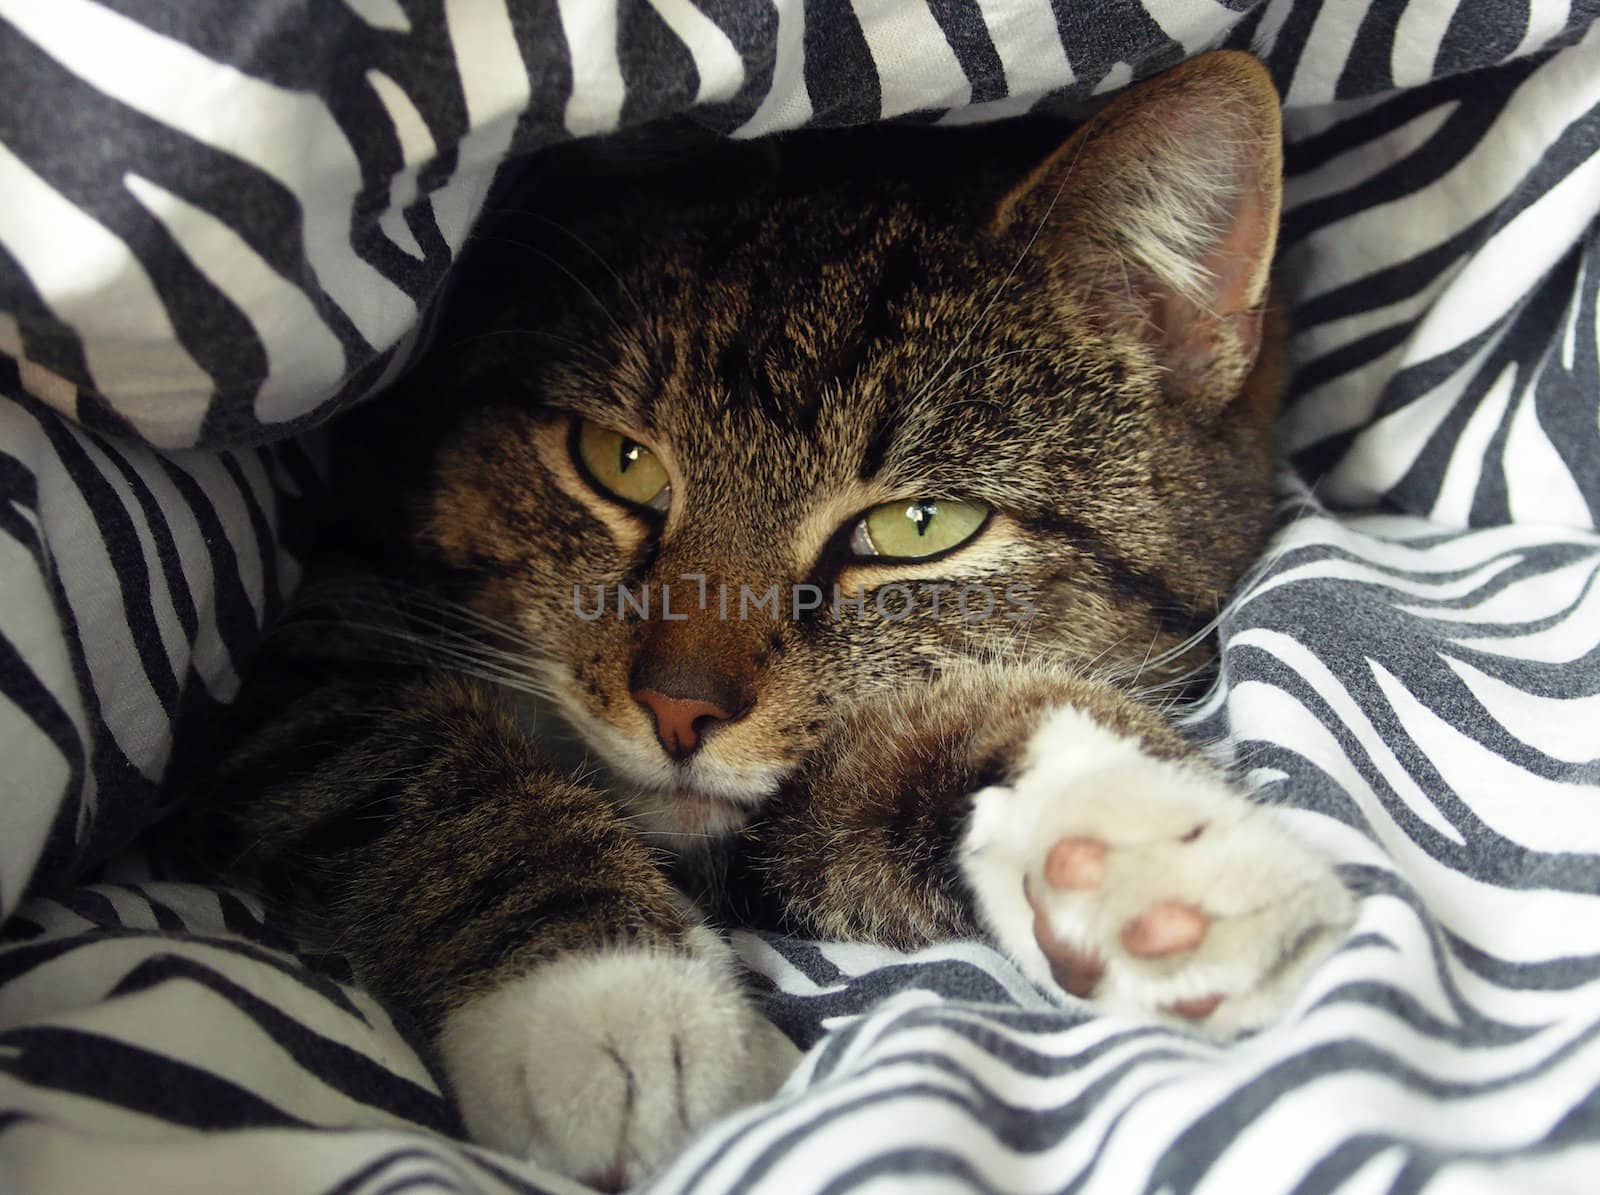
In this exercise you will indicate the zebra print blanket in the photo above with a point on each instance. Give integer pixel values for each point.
(219, 224)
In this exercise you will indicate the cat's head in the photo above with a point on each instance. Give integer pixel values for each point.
(1031, 386)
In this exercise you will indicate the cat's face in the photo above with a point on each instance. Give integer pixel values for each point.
(847, 435)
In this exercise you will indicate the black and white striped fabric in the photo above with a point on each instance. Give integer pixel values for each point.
(219, 225)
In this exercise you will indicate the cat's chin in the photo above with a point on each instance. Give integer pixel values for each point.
(687, 814)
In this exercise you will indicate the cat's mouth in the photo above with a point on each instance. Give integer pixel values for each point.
(702, 797)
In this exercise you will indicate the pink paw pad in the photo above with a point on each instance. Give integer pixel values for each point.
(1165, 928)
(1168, 927)
(1078, 864)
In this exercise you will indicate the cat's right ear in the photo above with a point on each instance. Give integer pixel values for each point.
(1162, 215)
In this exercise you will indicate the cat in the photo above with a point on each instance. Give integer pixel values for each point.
(653, 561)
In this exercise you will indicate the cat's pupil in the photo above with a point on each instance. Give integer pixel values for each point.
(628, 452)
(921, 513)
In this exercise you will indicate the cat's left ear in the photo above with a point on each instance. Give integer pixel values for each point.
(1162, 212)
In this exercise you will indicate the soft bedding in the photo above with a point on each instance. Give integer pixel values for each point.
(221, 224)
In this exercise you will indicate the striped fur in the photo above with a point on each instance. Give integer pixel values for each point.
(1377, 659)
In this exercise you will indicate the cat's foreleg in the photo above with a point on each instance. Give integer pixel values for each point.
(1072, 826)
(583, 1014)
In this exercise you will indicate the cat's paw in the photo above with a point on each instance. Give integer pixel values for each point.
(1145, 884)
(603, 1065)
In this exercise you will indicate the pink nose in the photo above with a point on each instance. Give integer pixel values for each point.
(680, 720)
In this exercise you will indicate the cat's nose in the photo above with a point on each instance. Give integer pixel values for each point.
(680, 721)
(692, 676)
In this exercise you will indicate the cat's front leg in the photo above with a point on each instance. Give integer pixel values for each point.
(584, 1016)
(1072, 825)
(603, 1063)
(1147, 883)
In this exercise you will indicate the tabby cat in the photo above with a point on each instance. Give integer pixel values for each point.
(826, 526)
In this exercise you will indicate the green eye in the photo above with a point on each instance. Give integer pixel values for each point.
(915, 528)
(622, 467)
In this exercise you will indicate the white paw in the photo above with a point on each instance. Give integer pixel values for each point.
(1147, 885)
(602, 1065)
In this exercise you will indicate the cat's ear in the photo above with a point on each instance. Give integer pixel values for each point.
(1162, 211)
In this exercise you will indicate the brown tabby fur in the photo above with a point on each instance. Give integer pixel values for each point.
(799, 334)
